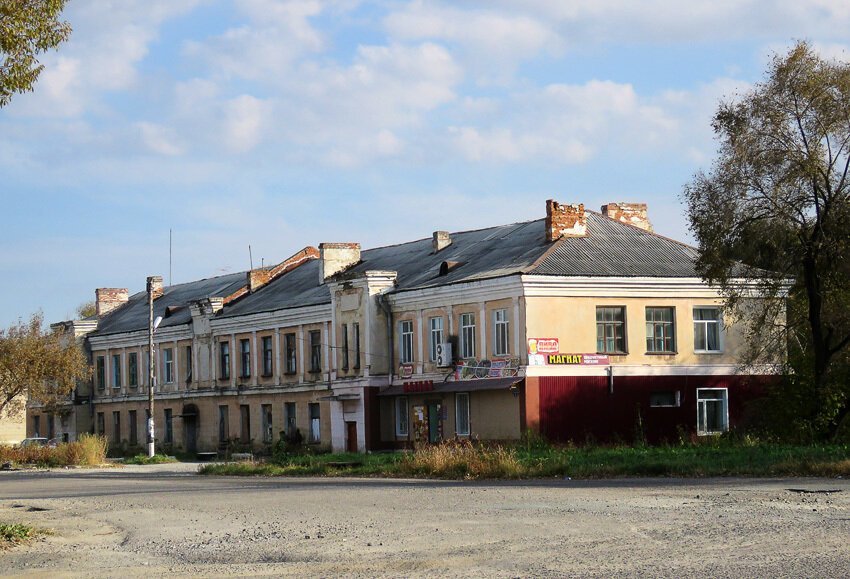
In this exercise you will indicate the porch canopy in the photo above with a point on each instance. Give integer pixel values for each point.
(457, 386)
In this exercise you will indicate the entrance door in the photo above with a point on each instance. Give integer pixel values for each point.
(434, 430)
(190, 427)
(351, 437)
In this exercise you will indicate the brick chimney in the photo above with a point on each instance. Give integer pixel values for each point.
(441, 240)
(155, 285)
(565, 220)
(336, 257)
(108, 298)
(631, 213)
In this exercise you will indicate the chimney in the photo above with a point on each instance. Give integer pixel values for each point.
(631, 213)
(336, 257)
(155, 285)
(565, 220)
(108, 298)
(441, 240)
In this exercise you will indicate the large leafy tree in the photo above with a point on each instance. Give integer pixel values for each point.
(42, 366)
(774, 212)
(27, 29)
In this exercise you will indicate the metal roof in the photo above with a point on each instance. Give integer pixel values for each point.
(610, 249)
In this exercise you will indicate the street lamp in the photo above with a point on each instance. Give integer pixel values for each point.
(154, 286)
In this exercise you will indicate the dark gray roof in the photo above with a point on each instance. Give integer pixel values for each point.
(175, 299)
(615, 249)
(610, 249)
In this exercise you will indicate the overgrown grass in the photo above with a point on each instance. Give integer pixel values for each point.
(464, 460)
(155, 459)
(89, 450)
(16, 533)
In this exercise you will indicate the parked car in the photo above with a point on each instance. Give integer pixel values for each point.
(35, 441)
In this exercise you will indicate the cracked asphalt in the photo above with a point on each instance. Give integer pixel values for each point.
(165, 520)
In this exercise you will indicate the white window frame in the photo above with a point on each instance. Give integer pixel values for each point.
(459, 412)
(668, 330)
(402, 427)
(703, 329)
(467, 335)
(501, 333)
(435, 336)
(405, 344)
(702, 403)
(168, 365)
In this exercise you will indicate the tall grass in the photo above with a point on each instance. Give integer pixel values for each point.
(89, 450)
(462, 460)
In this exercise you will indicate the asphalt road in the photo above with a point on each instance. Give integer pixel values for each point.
(165, 520)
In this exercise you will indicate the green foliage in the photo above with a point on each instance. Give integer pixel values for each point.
(772, 219)
(155, 459)
(86, 309)
(27, 29)
(15, 533)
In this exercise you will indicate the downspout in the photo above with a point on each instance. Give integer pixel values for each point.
(389, 316)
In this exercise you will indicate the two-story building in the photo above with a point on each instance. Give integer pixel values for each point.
(579, 325)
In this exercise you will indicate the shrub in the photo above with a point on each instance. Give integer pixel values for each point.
(464, 460)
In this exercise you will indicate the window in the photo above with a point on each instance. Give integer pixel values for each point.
(345, 347)
(462, 414)
(712, 410)
(116, 370)
(289, 417)
(189, 364)
(707, 330)
(289, 343)
(133, 369)
(500, 333)
(223, 423)
(168, 358)
(401, 416)
(224, 360)
(101, 426)
(405, 347)
(245, 358)
(611, 330)
(169, 426)
(268, 365)
(315, 423)
(467, 335)
(268, 433)
(315, 351)
(668, 398)
(36, 426)
(245, 419)
(134, 428)
(660, 330)
(101, 372)
(435, 337)
(356, 328)
(116, 426)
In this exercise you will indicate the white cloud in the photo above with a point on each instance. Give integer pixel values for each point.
(244, 123)
(159, 139)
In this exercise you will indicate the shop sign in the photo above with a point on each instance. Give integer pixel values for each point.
(498, 368)
(578, 359)
(419, 386)
(539, 347)
(405, 371)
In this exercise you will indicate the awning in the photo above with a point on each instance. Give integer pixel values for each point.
(457, 386)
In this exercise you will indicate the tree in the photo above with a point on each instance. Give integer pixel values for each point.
(27, 28)
(86, 309)
(37, 365)
(777, 199)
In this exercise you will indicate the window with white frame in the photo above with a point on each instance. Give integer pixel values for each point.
(712, 410)
(500, 333)
(405, 329)
(168, 363)
(462, 414)
(707, 333)
(401, 416)
(660, 330)
(467, 335)
(116, 370)
(435, 337)
(611, 329)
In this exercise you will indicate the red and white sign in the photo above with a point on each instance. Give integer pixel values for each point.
(543, 346)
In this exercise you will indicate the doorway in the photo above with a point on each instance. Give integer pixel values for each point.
(435, 422)
(351, 437)
(190, 417)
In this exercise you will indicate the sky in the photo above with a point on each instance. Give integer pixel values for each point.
(277, 124)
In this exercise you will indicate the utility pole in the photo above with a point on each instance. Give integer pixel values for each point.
(154, 283)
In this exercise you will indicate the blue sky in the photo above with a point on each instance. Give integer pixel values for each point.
(280, 124)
